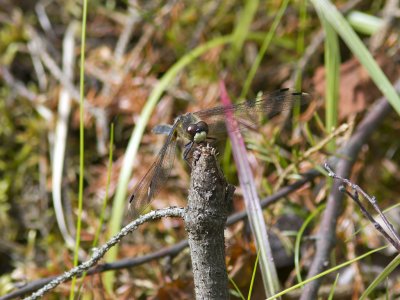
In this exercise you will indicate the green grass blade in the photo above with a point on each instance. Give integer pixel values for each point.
(253, 276)
(81, 144)
(237, 290)
(385, 273)
(300, 41)
(338, 267)
(365, 23)
(332, 63)
(338, 22)
(266, 42)
(104, 206)
(332, 292)
(298, 240)
(242, 28)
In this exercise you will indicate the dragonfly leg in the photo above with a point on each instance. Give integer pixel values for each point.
(212, 140)
(188, 148)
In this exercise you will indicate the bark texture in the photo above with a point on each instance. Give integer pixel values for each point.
(209, 200)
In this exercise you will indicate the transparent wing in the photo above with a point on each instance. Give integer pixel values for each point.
(155, 177)
(250, 113)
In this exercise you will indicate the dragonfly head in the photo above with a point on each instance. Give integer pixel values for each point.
(198, 131)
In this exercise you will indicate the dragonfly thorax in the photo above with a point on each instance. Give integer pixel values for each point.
(198, 131)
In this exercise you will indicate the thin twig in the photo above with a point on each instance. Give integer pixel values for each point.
(358, 190)
(98, 253)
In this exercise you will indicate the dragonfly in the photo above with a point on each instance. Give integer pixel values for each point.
(202, 127)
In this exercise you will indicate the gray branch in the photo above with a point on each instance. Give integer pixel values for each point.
(210, 198)
(98, 253)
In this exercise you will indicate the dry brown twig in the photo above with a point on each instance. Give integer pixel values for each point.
(393, 237)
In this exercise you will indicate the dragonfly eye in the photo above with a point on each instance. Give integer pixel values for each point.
(202, 127)
(192, 129)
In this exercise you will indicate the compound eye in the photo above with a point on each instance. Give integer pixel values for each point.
(192, 129)
(202, 127)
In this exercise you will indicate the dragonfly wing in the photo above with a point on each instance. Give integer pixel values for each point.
(250, 113)
(162, 129)
(155, 177)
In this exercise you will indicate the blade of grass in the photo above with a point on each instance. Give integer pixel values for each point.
(104, 206)
(243, 27)
(332, 292)
(237, 290)
(60, 136)
(381, 277)
(300, 41)
(267, 40)
(253, 276)
(103, 209)
(120, 200)
(364, 23)
(81, 144)
(338, 267)
(329, 12)
(251, 200)
(332, 62)
(299, 236)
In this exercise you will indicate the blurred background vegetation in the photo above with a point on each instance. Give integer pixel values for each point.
(147, 62)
